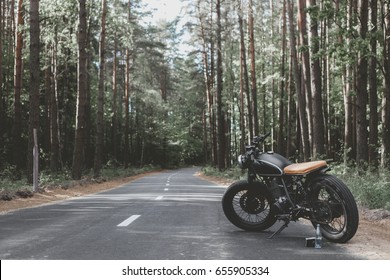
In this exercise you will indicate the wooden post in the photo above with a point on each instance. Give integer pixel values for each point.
(35, 162)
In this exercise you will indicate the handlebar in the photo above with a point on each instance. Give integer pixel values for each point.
(260, 138)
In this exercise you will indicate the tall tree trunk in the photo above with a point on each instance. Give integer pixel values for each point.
(209, 123)
(18, 69)
(298, 88)
(306, 74)
(373, 89)
(127, 113)
(48, 79)
(386, 81)
(348, 91)
(208, 82)
(244, 73)
(242, 113)
(291, 115)
(89, 145)
(81, 122)
(205, 134)
(329, 115)
(220, 113)
(55, 155)
(50, 130)
(212, 85)
(243, 134)
(252, 54)
(100, 105)
(274, 97)
(9, 35)
(362, 94)
(2, 112)
(264, 101)
(127, 102)
(316, 85)
(34, 84)
(115, 142)
(281, 143)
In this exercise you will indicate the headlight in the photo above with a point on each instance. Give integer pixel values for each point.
(241, 161)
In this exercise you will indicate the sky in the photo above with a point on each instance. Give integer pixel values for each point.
(169, 10)
(166, 9)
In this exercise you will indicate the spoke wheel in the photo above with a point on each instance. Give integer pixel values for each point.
(248, 207)
(334, 208)
(329, 210)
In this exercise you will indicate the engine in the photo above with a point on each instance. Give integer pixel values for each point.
(281, 202)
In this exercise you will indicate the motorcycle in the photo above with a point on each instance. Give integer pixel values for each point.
(278, 190)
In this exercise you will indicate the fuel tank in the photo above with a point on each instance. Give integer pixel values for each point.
(270, 164)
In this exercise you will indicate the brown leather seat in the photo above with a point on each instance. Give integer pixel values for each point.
(304, 168)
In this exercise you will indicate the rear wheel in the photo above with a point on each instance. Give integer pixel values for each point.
(334, 208)
(249, 206)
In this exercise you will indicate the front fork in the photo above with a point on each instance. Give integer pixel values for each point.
(251, 176)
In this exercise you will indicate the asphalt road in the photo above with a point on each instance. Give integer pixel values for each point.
(170, 215)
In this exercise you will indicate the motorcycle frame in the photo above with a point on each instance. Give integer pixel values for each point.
(303, 180)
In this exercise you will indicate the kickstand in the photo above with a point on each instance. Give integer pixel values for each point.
(286, 222)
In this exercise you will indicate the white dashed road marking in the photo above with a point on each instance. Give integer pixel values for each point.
(128, 221)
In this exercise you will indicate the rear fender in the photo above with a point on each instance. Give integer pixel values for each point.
(312, 178)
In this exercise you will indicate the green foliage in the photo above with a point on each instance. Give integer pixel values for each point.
(10, 179)
(111, 171)
(371, 189)
(10, 172)
(233, 173)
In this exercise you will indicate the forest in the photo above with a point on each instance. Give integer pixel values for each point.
(103, 87)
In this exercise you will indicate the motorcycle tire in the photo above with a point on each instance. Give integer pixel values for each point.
(334, 209)
(249, 207)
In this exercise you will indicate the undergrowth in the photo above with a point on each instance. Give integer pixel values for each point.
(8, 182)
(370, 189)
(234, 173)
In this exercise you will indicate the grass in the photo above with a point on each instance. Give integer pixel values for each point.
(234, 173)
(8, 182)
(371, 189)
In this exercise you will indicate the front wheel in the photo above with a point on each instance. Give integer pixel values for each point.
(249, 206)
(334, 208)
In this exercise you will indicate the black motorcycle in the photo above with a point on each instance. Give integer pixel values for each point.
(277, 189)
